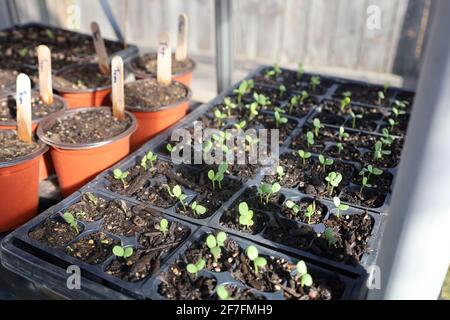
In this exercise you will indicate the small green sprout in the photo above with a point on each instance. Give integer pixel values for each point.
(223, 293)
(245, 215)
(325, 162)
(381, 97)
(253, 255)
(401, 103)
(333, 180)
(370, 170)
(218, 177)
(386, 86)
(169, 148)
(251, 141)
(229, 105)
(379, 151)
(392, 123)
(387, 138)
(339, 206)
(164, 226)
(243, 89)
(282, 89)
(297, 100)
(49, 34)
(279, 119)
(220, 116)
(340, 147)
(310, 139)
(398, 112)
(71, 221)
(122, 252)
(177, 193)
(345, 102)
(300, 70)
(310, 210)
(346, 94)
(119, 175)
(293, 206)
(304, 155)
(342, 134)
(150, 156)
(215, 244)
(194, 269)
(275, 71)
(354, 117)
(266, 190)
(317, 126)
(198, 209)
(329, 236)
(23, 52)
(253, 110)
(303, 275)
(261, 99)
(280, 173)
(314, 82)
(240, 125)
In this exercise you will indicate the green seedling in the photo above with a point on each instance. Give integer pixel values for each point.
(220, 116)
(401, 103)
(261, 99)
(198, 209)
(266, 190)
(122, 252)
(207, 145)
(303, 275)
(340, 147)
(304, 155)
(280, 173)
(342, 134)
(386, 87)
(23, 52)
(251, 141)
(194, 269)
(215, 244)
(164, 226)
(310, 210)
(381, 97)
(71, 221)
(282, 89)
(229, 105)
(177, 193)
(223, 293)
(325, 162)
(119, 175)
(314, 82)
(310, 139)
(293, 206)
(241, 125)
(253, 110)
(279, 119)
(387, 138)
(398, 112)
(379, 151)
(150, 156)
(339, 206)
(244, 88)
(369, 170)
(274, 72)
(218, 177)
(333, 180)
(303, 96)
(169, 148)
(317, 126)
(245, 215)
(300, 70)
(346, 94)
(329, 236)
(297, 100)
(49, 34)
(392, 123)
(354, 117)
(345, 102)
(253, 255)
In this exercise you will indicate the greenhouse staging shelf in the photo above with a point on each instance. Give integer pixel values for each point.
(340, 144)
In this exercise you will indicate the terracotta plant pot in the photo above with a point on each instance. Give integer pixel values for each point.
(185, 76)
(19, 185)
(150, 123)
(45, 164)
(82, 98)
(77, 164)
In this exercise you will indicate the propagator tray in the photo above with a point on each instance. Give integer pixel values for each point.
(37, 262)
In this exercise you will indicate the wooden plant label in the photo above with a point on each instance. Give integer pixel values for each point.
(117, 88)
(100, 49)
(164, 68)
(23, 102)
(181, 52)
(45, 74)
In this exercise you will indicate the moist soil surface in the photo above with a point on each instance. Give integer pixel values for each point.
(92, 249)
(364, 93)
(317, 217)
(82, 77)
(54, 233)
(11, 147)
(39, 109)
(87, 127)
(148, 64)
(7, 78)
(148, 95)
(91, 208)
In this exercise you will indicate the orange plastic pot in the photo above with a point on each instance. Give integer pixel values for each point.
(77, 164)
(19, 185)
(82, 98)
(150, 123)
(45, 163)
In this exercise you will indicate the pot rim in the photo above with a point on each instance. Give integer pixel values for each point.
(83, 146)
(36, 153)
(71, 90)
(161, 108)
(34, 93)
(146, 74)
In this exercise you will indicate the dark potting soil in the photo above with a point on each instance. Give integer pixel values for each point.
(11, 147)
(91, 208)
(87, 127)
(364, 93)
(81, 78)
(39, 109)
(148, 95)
(92, 249)
(54, 233)
(317, 217)
(7, 78)
(237, 293)
(148, 64)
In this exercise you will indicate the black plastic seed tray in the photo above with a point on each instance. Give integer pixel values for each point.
(351, 285)
(39, 262)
